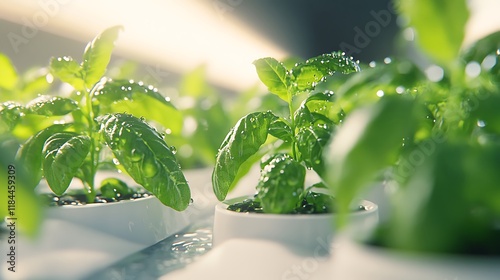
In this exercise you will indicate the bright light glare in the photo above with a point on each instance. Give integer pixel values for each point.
(170, 34)
(483, 20)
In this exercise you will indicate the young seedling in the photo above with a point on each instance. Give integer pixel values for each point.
(294, 143)
(94, 118)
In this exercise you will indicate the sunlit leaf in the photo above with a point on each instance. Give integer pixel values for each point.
(274, 75)
(8, 73)
(68, 71)
(51, 106)
(305, 76)
(147, 158)
(97, 55)
(140, 100)
(243, 141)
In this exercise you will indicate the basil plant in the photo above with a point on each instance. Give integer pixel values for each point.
(70, 135)
(287, 146)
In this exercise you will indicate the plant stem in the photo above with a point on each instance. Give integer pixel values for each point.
(292, 122)
(90, 193)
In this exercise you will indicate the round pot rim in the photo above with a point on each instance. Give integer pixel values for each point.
(108, 204)
(370, 207)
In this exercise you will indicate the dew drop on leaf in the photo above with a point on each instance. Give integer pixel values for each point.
(135, 155)
(149, 168)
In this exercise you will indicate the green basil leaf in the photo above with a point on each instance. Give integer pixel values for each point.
(321, 203)
(274, 75)
(486, 111)
(46, 105)
(68, 71)
(97, 55)
(311, 141)
(440, 26)
(368, 141)
(280, 129)
(139, 100)
(321, 103)
(30, 155)
(146, 158)
(482, 48)
(11, 112)
(33, 82)
(8, 73)
(455, 171)
(64, 153)
(114, 188)
(242, 141)
(281, 184)
(305, 76)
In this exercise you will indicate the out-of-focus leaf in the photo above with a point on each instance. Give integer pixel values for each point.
(368, 141)
(454, 172)
(16, 191)
(8, 73)
(482, 48)
(36, 81)
(194, 83)
(440, 26)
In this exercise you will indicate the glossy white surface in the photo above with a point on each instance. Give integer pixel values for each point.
(352, 261)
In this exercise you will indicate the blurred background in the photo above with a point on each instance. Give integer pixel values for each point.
(172, 37)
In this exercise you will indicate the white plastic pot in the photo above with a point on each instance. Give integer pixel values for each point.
(144, 221)
(303, 231)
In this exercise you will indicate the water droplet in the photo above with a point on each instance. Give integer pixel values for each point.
(372, 64)
(115, 161)
(400, 89)
(380, 93)
(173, 150)
(473, 69)
(149, 168)
(135, 155)
(481, 123)
(387, 60)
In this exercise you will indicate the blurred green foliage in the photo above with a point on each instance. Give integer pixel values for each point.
(431, 133)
